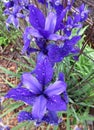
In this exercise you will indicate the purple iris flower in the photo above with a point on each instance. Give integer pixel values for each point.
(51, 51)
(70, 24)
(14, 16)
(69, 46)
(9, 4)
(44, 27)
(35, 92)
(81, 14)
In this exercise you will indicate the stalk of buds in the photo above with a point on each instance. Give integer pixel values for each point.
(52, 35)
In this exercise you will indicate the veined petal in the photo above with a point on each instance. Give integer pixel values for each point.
(50, 22)
(54, 53)
(56, 89)
(60, 18)
(24, 116)
(56, 103)
(39, 108)
(43, 70)
(31, 83)
(34, 32)
(36, 17)
(21, 94)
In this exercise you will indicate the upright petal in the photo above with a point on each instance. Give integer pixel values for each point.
(21, 94)
(39, 108)
(36, 17)
(56, 103)
(56, 89)
(31, 83)
(50, 22)
(43, 70)
(59, 19)
(24, 116)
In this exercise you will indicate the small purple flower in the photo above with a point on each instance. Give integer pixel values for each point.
(81, 14)
(13, 16)
(42, 98)
(44, 27)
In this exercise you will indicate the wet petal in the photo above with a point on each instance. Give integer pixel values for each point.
(21, 94)
(36, 17)
(55, 89)
(56, 103)
(68, 45)
(50, 22)
(44, 70)
(39, 108)
(59, 19)
(31, 83)
(54, 53)
(24, 116)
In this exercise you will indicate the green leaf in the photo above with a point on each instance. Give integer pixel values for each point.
(9, 72)
(11, 107)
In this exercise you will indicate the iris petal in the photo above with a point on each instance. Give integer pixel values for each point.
(39, 108)
(36, 17)
(21, 94)
(56, 103)
(24, 116)
(31, 83)
(55, 89)
(44, 70)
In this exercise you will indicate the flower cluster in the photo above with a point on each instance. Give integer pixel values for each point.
(52, 35)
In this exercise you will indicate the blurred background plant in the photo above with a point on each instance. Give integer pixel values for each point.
(6, 36)
(79, 76)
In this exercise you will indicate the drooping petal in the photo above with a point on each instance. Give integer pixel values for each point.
(43, 70)
(56, 89)
(31, 83)
(39, 107)
(54, 53)
(21, 94)
(50, 22)
(24, 116)
(36, 17)
(56, 103)
(68, 45)
(51, 118)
